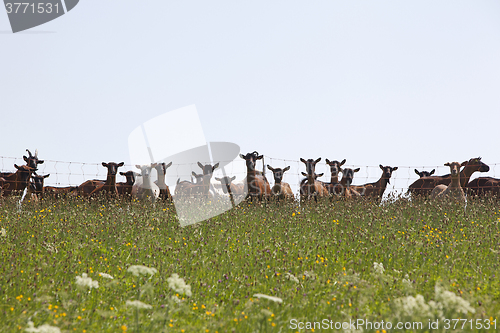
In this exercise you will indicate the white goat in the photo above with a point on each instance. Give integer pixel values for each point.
(144, 187)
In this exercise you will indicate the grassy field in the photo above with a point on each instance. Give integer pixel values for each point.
(329, 262)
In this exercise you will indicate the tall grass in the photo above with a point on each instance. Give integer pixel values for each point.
(318, 258)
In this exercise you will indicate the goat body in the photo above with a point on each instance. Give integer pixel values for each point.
(18, 180)
(454, 189)
(376, 189)
(109, 187)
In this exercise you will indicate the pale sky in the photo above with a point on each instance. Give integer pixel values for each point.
(400, 83)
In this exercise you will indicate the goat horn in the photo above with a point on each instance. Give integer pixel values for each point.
(29, 152)
(36, 153)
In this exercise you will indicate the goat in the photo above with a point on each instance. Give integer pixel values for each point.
(345, 183)
(161, 169)
(36, 189)
(18, 180)
(425, 173)
(454, 189)
(281, 190)
(144, 187)
(310, 187)
(32, 161)
(228, 187)
(483, 185)
(335, 168)
(3, 185)
(256, 183)
(376, 189)
(126, 188)
(109, 187)
(60, 191)
(202, 187)
(424, 186)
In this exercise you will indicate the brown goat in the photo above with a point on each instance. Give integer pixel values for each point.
(35, 188)
(482, 186)
(229, 188)
(376, 189)
(424, 186)
(18, 180)
(310, 187)
(345, 183)
(109, 187)
(256, 183)
(58, 192)
(425, 173)
(126, 188)
(281, 190)
(200, 189)
(335, 168)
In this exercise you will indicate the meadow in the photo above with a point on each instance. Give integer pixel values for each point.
(77, 265)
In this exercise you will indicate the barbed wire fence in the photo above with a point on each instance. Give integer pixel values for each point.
(65, 173)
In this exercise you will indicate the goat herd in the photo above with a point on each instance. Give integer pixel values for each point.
(255, 185)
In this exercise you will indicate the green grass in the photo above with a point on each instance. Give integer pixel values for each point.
(330, 247)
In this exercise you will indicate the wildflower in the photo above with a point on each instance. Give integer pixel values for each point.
(178, 285)
(85, 281)
(291, 277)
(271, 298)
(378, 267)
(406, 281)
(107, 276)
(450, 301)
(413, 306)
(3, 232)
(138, 305)
(45, 328)
(139, 269)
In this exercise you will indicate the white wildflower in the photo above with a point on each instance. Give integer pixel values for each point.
(138, 305)
(413, 306)
(3, 232)
(139, 269)
(379, 268)
(107, 276)
(178, 285)
(406, 281)
(450, 301)
(45, 328)
(271, 298)
(291, 277)
(85, 281)
(310, 275)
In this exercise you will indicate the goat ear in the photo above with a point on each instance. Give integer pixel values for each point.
(215, 166)
(447, 164)
(381, 166)
(242, 156)
(319, 175)
(416, 171)
(17, 167)
(319, 159)
(46, 176)
(464, 163)
(342, 163)
(327, 161)
(233, 178)
(122, 173)
(40, 161)
(286, 169)
(304, 174)
(168, 165)
(432, 172)
(270, 167)
(259, 157)
(138, 166)
(25, 159)
(193, 173)
(217, 179)
(105, 164)
(356, 170)
(200, 165)
(302, 160)
(121, 164)
(394, 169)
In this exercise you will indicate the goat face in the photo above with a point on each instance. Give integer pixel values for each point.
(251, 159)
(477, 165)
(225, 182)
(112, 167)
(425, 173)
(278, 173)
(455, 168)
(37, 185)
(310, 165)
(208, 169)
(348, 175)
(387, 172)
(335, 166)
(32, 161)
(130, 175)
